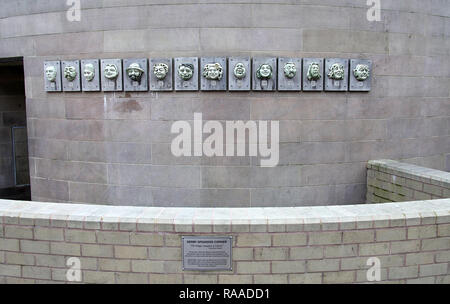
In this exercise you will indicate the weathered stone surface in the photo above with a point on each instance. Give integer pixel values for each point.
(404, 116)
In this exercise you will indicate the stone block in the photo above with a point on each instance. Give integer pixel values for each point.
(33, 272)
(271, 254)
(114, 265)
(395, 234)
(253, 267)
(322, 265)
(325, 238)
(288, 267)
(408, 272)
(253, 240)
(305, 278)
(65, 249)
(130, 252)
(103, 251)
(341, 277)
(341, 251)
(98, 277)
(131, 278)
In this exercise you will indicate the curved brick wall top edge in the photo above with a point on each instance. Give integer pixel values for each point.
(411, 171)
(181, 219)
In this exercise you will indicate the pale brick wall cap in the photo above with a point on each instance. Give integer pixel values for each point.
(236, 216)
(437, 177)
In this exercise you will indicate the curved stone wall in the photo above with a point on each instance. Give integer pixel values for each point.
(113, 148)
(328, 244)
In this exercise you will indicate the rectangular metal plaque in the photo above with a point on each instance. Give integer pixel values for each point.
(93, 84)
(209, 84)
(186, 85)
(115, 84)
(289, 84)
(235, 84)
(75, 85)
(360, 85)
(165, 84)
(333, 84)
(207, 252)
(310, 84)
(131, 85)
(264, 84)
(53, 86)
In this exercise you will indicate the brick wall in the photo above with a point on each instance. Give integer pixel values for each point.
(270, 245)
(392, 181)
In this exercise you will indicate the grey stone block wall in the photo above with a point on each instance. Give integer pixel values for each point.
(114, 148)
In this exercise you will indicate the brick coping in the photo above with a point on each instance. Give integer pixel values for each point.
(320, 215)
(423, 174)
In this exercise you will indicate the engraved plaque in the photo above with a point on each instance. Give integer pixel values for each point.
(364, 84)
(288, 66)
(260, 66)
(335, 67)
(111, 74)
(70, 71)
(312, 68)
(186, 66)
(135, 75)
(53, 70)
(207, 253)
(215, 67)
(161, 84)
(90, 75)
(239, 74)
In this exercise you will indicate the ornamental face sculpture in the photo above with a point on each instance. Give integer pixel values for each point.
(89, 71)
(264, 71)
(239, 70)
(336, 72)
(160, 70)
(111, 71)
(361, 72)
(213, 71)
(186, 71)
(314, 71)
(135, 72)
(290, 70)
(50, 73)
(70, 73)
